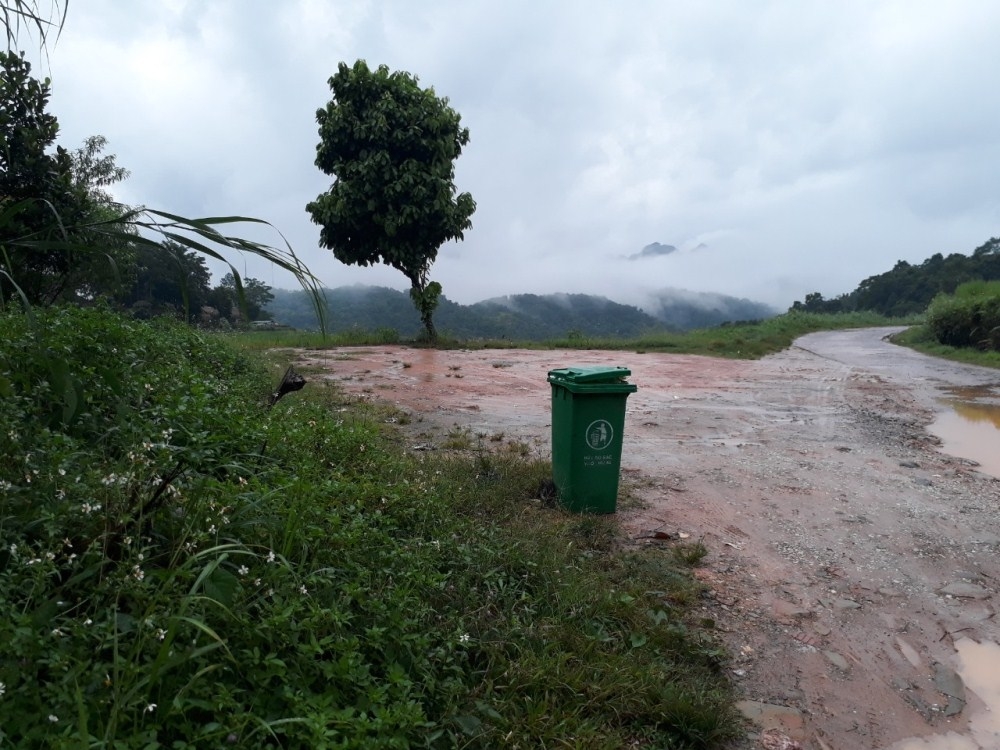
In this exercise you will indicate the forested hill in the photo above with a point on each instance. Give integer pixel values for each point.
(907, 289)
(520, 316)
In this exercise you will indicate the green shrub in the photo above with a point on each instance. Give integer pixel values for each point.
(968, 318)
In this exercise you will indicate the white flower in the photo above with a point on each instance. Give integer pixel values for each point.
(243, 570)
(88, 621)
(270, 556)
(303, 590)
(464, 638)
(138, 573)
(149, 709)
(53, 718)
(3, 688)
(57, 633)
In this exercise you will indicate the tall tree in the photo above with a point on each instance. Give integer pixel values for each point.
(52, 200)
(391, 147)
(54, 248)
(226, 299)
(169, 279)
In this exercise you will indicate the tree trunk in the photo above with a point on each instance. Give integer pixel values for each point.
(425, 299)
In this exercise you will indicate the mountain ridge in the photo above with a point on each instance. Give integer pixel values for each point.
(516, 316)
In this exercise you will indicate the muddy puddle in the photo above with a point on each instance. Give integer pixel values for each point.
(979, 669)
(970, 428)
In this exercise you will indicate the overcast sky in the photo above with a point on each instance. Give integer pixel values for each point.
(807, 145)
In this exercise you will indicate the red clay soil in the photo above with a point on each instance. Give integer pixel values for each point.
(848, 557)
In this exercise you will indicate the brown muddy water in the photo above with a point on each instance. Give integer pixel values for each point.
(970, 428)
(978, 666)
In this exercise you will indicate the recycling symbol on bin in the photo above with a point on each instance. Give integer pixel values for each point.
(599, 434)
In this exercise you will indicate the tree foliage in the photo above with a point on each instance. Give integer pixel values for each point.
(391, 146)
(173, 280)
(62, 235)
(968, 318)
(908, 289)
(51, 198)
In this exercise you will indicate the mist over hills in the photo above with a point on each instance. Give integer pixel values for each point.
(529, 317)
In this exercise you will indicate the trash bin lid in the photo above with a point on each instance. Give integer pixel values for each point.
(592, 379)
(581, 375)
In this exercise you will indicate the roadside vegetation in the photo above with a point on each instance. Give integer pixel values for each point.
(964, 326)
(182, 566)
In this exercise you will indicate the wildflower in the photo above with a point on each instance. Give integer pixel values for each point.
(138, 573)
(3, 688)
(160, 634)
(303, 590)
(243, 570)
(127, 540)
(256, 582)
(270, 592)
(57, 633)
(270, 556)
(61, 493)
(53, 718)
(5, 485)
(62, 472)
(50, 556)
(149, 709)
(464, 638)
(212, 529)
(88, 621)
(13, 549)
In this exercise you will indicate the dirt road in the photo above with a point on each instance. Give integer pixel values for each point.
(853, 567)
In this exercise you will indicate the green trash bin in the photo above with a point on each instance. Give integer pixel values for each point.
(588, 416)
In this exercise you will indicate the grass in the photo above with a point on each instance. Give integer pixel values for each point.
(750, 340)
(920, 338)
(182, 567)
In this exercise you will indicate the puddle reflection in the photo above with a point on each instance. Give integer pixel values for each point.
(971, 429)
